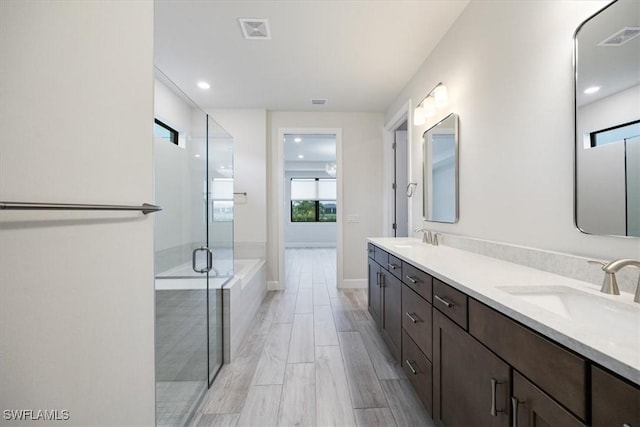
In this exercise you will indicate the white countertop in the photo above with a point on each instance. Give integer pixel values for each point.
(482, 277)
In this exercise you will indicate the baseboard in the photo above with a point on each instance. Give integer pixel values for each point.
(274, 285)
(353, 284)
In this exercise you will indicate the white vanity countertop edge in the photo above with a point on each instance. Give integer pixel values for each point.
(479, 276)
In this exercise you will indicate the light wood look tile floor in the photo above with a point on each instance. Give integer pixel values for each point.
(314, 358)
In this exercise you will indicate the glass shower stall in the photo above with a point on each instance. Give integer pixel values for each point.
(193, 247)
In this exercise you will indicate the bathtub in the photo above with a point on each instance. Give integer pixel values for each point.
(242, 294)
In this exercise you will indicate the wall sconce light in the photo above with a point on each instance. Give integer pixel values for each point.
(436, 98)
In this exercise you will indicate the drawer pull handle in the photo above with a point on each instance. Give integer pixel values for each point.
(413, 370)
(494, 412)
(393, 266)
(443, 301)
(413, 319)
(514, 411)
(412, 279)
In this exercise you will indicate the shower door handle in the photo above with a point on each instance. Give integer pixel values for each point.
(209, 260)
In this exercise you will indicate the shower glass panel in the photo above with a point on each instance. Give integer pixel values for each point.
(220, 234)
(193, 257)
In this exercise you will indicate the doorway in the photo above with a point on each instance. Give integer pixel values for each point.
(400, 185)
(310, 194)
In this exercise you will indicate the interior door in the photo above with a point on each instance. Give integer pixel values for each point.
(400, 182)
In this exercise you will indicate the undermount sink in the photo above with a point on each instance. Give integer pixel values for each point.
(598, 313)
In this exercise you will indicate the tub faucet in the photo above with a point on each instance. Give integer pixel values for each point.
(610, 284)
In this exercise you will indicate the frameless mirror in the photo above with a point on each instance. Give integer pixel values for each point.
(440, 171)
(607, 121)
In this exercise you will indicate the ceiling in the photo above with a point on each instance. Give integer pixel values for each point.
(357, 54)
(309, 152)
(613, 68)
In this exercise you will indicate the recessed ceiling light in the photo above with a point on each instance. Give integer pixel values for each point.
(592, 89)
(197, 155)
(297, 140)
(203, 85)
(300, 156)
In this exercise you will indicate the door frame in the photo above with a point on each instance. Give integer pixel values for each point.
(280, 190)
(388, 211)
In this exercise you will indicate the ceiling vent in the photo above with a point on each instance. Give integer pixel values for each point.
(318, 101)
(621, 37)
(255, 29)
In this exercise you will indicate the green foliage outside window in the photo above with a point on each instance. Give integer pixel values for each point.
(313, 211)
(303, 211)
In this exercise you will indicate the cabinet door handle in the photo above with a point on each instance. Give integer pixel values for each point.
(412, 279)
(378, 279)
(381, 280)
(393, 266)
(410, 316)
(514, 411)
(413, 370)
(494, 412)
(443, 301)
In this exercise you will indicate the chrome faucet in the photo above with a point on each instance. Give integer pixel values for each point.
(428, 237)
(610, 284)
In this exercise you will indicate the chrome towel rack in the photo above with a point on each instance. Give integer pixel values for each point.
(145, 208)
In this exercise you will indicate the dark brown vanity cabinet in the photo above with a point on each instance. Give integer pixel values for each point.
(614, 402)
(385, 293)
(474, 366)
(417, 328)
(470, 383)
(391, 306)
(532, 407)
(375, 291)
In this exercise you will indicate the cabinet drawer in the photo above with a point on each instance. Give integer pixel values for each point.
(560, 373)
(531, 407)
(451, 302)
(371, 250)
(418, 370)
(381, 257)
(614, 402)
(416, 320)
(417, 280)
(395, 266)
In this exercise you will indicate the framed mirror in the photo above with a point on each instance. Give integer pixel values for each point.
(607, 121)
(440, 171)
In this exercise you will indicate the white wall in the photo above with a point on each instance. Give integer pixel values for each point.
(361, 178)
(508, 68)
(249, 131)
(76, 288)
(301, 234)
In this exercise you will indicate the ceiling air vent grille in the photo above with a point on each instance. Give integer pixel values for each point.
(621, 37)
(255, 29)
(318, 101)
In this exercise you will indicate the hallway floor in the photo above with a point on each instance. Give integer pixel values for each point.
(314, 358)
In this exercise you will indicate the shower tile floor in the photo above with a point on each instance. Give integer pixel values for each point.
(313, 358)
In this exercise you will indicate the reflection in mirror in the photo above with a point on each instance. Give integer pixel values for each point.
(607, 90)
(440, 171)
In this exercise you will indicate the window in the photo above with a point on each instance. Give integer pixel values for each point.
(164, 131)
(313, 200)
(222, 199)
(615, 134)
